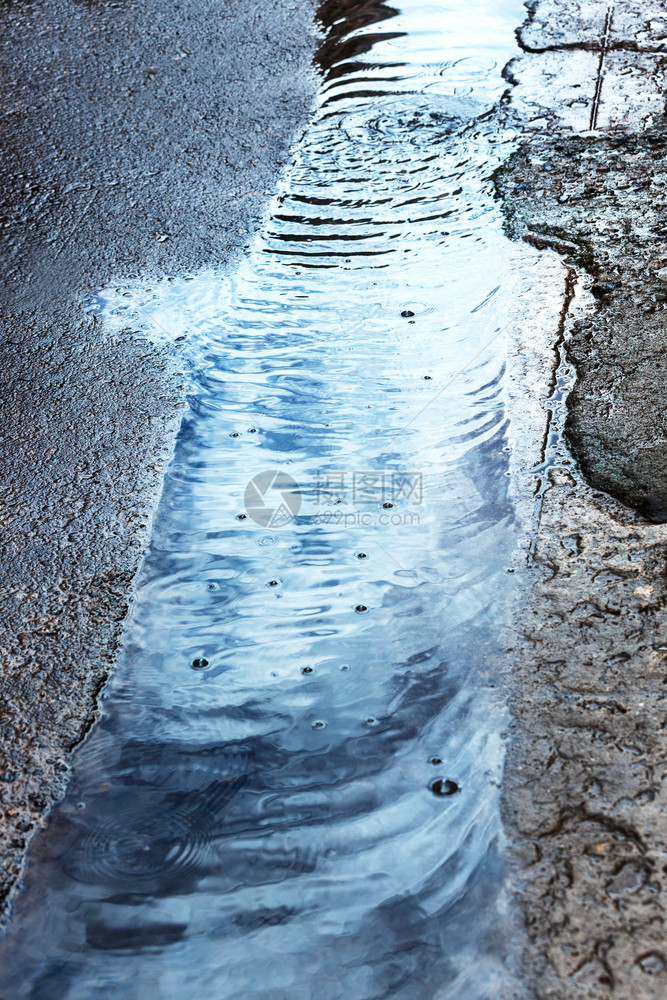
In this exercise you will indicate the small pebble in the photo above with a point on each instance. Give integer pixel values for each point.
(652, 964)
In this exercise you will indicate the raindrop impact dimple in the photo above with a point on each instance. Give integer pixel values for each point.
(444, 787)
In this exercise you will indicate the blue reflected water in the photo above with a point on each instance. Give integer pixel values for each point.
(293, 789)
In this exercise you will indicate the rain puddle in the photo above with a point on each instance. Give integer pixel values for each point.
(293, 791)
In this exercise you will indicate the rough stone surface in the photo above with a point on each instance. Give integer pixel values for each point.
(603, 201)
(133, 137)
(585, 791)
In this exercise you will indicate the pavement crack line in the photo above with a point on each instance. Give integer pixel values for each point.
(595, 109)
(620, 45)
(546, 462)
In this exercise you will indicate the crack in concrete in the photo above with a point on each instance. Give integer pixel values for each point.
(608, 21)
(620, 45)
(552, 441)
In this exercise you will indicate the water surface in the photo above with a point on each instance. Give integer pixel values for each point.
(293, 789)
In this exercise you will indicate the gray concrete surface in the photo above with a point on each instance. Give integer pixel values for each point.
(585, 784)
(134, 137)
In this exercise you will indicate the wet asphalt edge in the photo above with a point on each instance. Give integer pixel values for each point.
(135, 140)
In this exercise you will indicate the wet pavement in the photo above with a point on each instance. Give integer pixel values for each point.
(199, 815)
(133, 137)
(584, 796)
